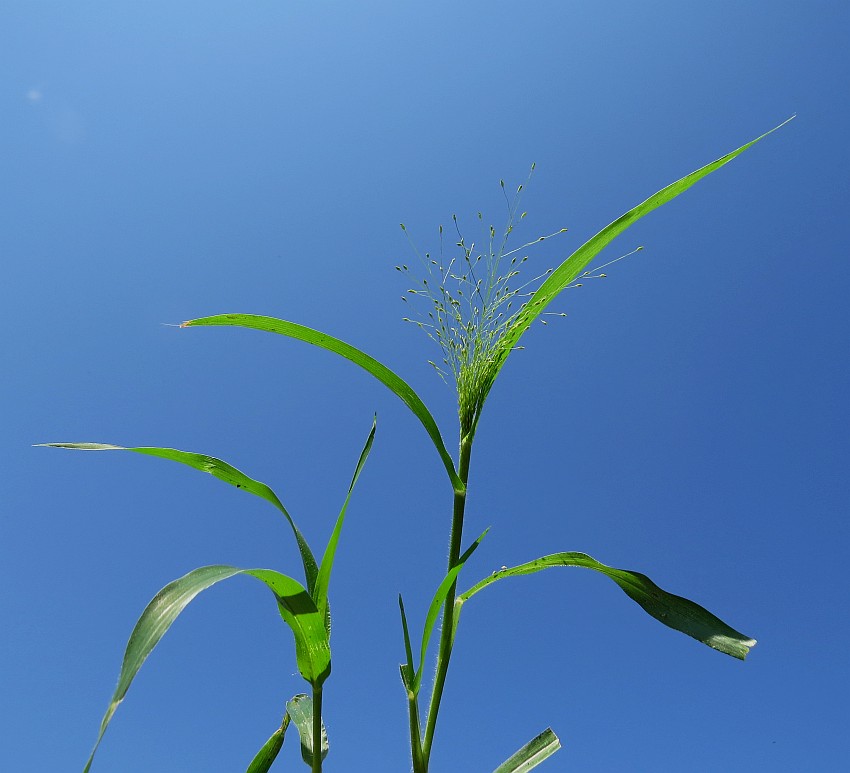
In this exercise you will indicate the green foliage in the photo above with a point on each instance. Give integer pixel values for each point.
(532, 754)
(674, 611)
(265, 758)
(304, 610)
(381, 372)
(311, 641)
(478, 312)
(223, 471)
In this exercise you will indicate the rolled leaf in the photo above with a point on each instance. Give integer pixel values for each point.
(406, 668)
(300, 708)
(311, 644)
(674, 611)
(223, 471)
(562, 276)
(265, 758)
(381, 372)
(532, 754)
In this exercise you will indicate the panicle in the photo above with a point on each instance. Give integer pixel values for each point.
(471, 298)
(474, 297)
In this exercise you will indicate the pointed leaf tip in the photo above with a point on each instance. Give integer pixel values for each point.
(675, 612)
(532, 754)
(264, 759)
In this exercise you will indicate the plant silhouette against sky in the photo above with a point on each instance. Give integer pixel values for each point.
(476, 305)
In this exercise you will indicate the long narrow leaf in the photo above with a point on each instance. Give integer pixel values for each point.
(310, 636)
(381, 372)
(323, 580)
(434, 610)
(532, 754)
(407, 674)
(300, 708)
(223, 471)
(674, 611)
(562, 276)
(264, 759)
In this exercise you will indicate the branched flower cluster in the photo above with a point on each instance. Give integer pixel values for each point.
(474, 298)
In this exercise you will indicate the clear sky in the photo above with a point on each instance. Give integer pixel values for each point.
(688, 419)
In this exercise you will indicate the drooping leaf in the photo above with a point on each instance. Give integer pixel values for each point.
(562, 276)
(381, 372)
(223, 471)
(674, 611)
(265, 758)
(434, 610)
(300, 708)
(323, 580)
(311, 645)
(532, 754)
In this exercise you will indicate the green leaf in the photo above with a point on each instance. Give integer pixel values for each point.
(223, 471)
(674, 611)
(298, 610)
(265, 758)
(300, 708)
(311, 642)
(434, 609)
(381, 372)
(562, 276)
(407, 675)
(322, 582)
(532, 754)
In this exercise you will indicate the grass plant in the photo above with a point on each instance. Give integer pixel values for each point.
(476, 306)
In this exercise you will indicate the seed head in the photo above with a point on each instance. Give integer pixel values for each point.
(472, 306)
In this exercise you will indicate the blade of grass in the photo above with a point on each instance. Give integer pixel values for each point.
(674, 611)
(381, 372)
(264, 759)
(323, 580)
(407, 674)
(296, 606)
(407, 677)
(532, 754)
(434, 610)
(562, 276)
(223, 471)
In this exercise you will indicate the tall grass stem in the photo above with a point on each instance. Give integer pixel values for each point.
(446, 638)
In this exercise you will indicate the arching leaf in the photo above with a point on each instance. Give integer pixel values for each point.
(223, 471)
(381, 372)
(674, 611)
(562, 276)
(295, 605)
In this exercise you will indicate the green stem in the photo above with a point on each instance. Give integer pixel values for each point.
(445, 652)
(419, 764)
(316, 767)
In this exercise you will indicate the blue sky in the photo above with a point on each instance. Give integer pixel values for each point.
(688, 419)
